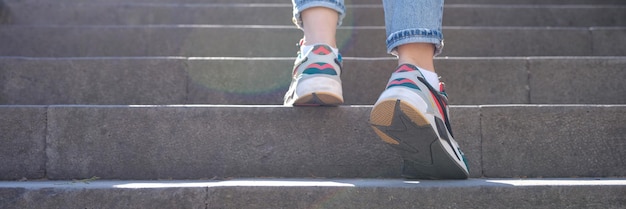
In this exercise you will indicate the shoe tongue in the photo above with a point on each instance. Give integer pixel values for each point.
(409, 68)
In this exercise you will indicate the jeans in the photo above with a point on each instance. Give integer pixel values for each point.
(406, 21)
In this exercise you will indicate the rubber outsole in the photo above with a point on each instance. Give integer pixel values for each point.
(319, 99)
(408, 131)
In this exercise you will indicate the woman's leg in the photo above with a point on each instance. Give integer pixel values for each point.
(412, 113)
(321, 26)
(317, 69)
(318, 20)
(413, 31)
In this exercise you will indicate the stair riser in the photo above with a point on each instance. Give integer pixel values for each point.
(264, 81)
(279, 42)
(23, 138)
(236, 14)
(206, 142)
(561, 141)
(408, 196)
(347, 2)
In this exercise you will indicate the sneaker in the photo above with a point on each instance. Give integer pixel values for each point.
(412, 117)
(316, 79)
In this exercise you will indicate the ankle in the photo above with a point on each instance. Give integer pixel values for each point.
(417, 54)
(320, 26)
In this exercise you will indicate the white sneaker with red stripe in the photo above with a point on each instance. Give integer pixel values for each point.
(412, 117)
(316, 79)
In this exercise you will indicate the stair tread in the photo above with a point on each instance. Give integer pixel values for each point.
(315, 193)
(313, 182)
(278, 14)
(504, 2)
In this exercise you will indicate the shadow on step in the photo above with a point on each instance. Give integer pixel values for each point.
(4, 13)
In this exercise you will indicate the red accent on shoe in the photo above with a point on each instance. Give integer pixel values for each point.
(321, 50)
(439, 105)
(402, 81)
(442, 87)
(405, 68)
(321, 66)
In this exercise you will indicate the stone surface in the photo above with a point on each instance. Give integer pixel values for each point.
(540, 2)
(56, 13)
(604, 40)
(318, 193)
(159, 80)
(227, 141)
(485, 81)
(559, 15)
(22, 142)
(207, 142)
(76, 196)
(550, 141)
(92, 81)
(517, 41)
(349, 2)
(238, 81)
(5, 15)
(273, 41)
(578, 81)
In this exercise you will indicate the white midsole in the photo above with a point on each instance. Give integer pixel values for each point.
(405, 95)
(316, 84)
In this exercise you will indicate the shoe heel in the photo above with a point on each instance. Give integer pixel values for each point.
(443, 166)
(319, 99)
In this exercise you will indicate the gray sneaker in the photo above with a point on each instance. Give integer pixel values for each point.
(412, 117)
(316, 79)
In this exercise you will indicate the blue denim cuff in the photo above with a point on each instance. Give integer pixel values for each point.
(419, 35)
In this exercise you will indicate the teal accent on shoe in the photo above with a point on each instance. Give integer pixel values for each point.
(464, 159)
(403, 82)
(320, 68)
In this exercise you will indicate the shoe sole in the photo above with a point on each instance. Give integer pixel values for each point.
(407, 130)
(319, 99)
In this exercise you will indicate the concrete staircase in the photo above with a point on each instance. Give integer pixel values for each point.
(175, 104)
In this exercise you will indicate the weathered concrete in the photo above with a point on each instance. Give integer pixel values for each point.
(485, 81)
(5, 13)
(350, 2)
(272, 41)
(577, 80)
(605, 38)
(22, 142)
(550, 141)
(228, 141)
(318, 193)
(93, 81)
(160, 80)
(55, 13)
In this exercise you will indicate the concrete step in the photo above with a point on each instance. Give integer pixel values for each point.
(216, 80)
(347, 2)
(196, 142)
(273, 41)
(540, 2)
(55, 13)
(318, 193)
